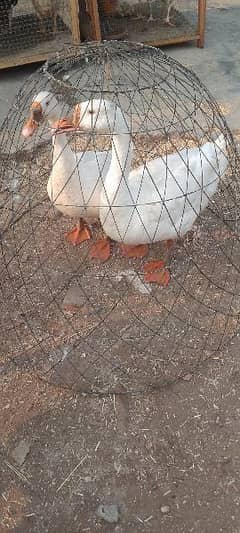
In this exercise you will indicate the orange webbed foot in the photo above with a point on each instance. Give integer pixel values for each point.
(168, 22)
(100, 250)
(153, 266)
(79, 234)
(155, 272)
(134, 251)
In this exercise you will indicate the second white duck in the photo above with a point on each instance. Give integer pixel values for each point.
(159, 200)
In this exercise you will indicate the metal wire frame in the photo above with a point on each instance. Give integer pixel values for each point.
(166, 332)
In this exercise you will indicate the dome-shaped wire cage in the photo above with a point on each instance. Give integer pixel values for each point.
(143, 148)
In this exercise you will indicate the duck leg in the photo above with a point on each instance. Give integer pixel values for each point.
(151, 18)
(169, 244)
(79, 233)
(167, 19)
(134, 251)
(156, 271)
(101, 250)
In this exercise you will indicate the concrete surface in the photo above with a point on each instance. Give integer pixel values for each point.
(217, 65)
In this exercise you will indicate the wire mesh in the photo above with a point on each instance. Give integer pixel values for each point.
(30, 30)
(149, 21)
(150, 158)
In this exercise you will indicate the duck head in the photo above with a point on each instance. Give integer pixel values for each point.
(44, 106)
(102, 116)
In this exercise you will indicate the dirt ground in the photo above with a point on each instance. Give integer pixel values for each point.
(170, 460)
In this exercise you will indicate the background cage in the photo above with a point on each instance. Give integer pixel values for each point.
(32, 30)
(153, 22)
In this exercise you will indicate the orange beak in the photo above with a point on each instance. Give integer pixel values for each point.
(36, 115)
(64, 124)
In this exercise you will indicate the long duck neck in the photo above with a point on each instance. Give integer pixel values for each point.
(59, 140)
(122, 148)
(60, 146)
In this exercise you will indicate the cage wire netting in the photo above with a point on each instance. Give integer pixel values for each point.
(32, 29)
(148, 21)
(151, 158)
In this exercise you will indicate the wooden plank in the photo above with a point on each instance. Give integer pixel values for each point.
(43, 50)
(94, 14)
(171, 41)
(177, 40)
(39, 52)
(15, 60)
(201, 22)
(74, 8)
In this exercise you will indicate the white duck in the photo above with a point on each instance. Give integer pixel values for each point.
(76, 177)
(157, 201)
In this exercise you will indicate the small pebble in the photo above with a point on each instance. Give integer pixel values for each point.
(21, 451)
(165, 509)
(109, 513)
(74, 299)
(187, 377)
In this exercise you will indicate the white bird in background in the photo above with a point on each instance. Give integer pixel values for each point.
(6, 10)
(151, 18)
(46, 9)
(170, 4)
(167, 19)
